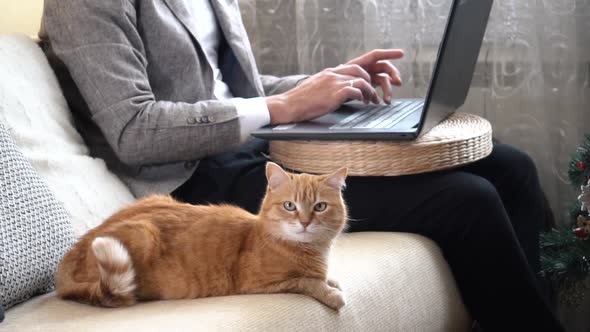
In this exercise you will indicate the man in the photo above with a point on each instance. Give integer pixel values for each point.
(166, 91)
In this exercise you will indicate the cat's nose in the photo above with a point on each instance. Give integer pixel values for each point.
(305, 223)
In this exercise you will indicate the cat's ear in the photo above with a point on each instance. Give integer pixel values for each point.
(275, 176)
(337, 179)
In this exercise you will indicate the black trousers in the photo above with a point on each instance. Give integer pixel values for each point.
(485, 217)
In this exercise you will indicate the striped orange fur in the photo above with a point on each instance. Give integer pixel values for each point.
(160, 249)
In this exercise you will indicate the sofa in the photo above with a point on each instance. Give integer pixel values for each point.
(392, 281)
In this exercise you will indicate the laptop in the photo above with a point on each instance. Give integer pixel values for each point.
(407, 119)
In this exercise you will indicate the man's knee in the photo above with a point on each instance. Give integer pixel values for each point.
(516, 162)
(471, 207)
(473, 192)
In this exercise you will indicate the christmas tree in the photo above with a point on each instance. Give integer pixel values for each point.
(565, 251)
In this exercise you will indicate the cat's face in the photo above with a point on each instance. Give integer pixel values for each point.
(304, 208)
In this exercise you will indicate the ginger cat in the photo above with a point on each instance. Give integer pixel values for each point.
(160, 249)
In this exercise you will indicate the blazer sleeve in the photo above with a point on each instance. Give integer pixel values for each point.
(275, 85)
(104, 53)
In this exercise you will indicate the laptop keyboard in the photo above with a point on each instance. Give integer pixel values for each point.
(379, 117)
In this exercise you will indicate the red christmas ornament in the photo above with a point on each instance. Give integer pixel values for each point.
(581, 165)
(581, 233)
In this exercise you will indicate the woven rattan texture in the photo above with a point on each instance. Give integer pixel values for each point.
(461, 139)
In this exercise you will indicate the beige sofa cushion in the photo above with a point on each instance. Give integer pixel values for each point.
(392, 282)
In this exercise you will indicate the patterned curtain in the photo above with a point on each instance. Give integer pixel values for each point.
(531, 81)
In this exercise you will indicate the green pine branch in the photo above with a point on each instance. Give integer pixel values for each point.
(565, 261)
(576, 175)
(564, 255)
(565, 258)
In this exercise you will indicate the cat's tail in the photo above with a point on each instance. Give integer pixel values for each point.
(116, 283)
(117, 276)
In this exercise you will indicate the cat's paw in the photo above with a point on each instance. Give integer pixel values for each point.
(333, 283)
(334, 299)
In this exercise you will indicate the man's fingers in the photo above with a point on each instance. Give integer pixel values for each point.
(350, 93)
(352, 70)
(386, 67)
(377, 55)
(369, 92)
(384, 81)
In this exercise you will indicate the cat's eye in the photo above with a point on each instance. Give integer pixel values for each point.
(289, 206)
(320, 207)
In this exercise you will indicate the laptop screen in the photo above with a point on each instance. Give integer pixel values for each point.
(457, 57)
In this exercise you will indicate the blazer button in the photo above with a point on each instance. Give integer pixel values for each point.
(211, 118)
(199, 120)
(189, 165)
(191, 120)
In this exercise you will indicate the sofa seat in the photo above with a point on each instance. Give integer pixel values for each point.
(392, 282)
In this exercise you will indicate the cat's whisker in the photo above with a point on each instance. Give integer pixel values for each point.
(354, 219)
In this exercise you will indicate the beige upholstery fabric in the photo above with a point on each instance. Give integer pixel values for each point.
(37, 115)
(392, 281)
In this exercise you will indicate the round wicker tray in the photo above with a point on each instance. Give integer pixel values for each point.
(461, 139)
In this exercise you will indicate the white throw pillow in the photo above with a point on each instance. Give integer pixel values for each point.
(36, 113)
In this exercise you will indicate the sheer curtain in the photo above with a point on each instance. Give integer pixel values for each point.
(531, 81)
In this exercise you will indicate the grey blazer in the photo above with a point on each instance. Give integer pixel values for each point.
(141, 88)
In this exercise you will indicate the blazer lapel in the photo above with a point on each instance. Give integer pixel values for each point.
(230, 21)
(235, 35)
(183, 15)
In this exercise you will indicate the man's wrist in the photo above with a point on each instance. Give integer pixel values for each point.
(278, 108)
(252, 114)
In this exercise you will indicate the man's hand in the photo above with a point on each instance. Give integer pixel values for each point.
(382, 71)
(325, 91)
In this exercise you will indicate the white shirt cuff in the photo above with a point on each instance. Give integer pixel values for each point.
(252, 114)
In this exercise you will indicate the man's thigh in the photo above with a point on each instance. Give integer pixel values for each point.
(424, 203)
(232, 177)
(430, 204)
